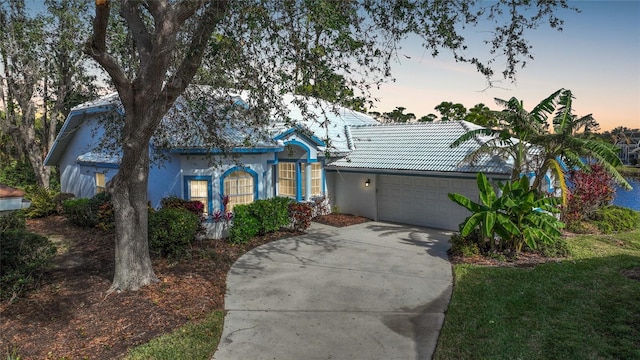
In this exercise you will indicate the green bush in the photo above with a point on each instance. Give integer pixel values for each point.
(42, 202)
(465, 246)
(80, 212)
(12, 221)
(271, 214)
(171, 231)
(245, 225)
(59, 200)
(23, 258)
(616, 219)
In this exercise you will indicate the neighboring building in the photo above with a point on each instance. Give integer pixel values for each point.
(392, 172)
(629, 150)
(12, 199)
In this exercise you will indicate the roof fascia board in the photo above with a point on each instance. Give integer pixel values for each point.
(464, 175)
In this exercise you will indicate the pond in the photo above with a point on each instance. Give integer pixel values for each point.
(630, 199)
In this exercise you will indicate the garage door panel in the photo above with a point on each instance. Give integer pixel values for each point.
(423, 201)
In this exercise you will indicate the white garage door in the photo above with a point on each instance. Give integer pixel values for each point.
(423, 201)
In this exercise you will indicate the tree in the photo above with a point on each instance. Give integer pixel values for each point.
(450, 111)
(481, 115)
(265, 47)
(563, 140)
(428, 118)
(397, 115)
(537, 146)
(44, 75)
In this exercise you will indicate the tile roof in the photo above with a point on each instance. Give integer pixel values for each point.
(324, 120)
(416, 147)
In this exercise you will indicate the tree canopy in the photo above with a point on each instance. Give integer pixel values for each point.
(152, 50)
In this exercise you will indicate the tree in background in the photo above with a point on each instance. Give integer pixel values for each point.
(397, 115)
(264, 47)
(481, 115)
(428, 118)
(450, 111)
(45, 74)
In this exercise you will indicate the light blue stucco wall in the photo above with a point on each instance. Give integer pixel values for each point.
(80, 179)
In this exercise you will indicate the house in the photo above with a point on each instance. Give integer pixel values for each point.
(392, 172)
(11, 199)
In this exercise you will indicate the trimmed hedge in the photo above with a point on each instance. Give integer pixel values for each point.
(259, 218)
(171, 231)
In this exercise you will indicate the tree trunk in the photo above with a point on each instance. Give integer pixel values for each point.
(129, 197)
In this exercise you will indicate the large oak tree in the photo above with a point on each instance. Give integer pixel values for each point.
(269, 48)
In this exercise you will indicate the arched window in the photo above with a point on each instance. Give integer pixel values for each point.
(240, 187)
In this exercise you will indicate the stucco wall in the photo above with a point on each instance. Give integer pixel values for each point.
(350, 194)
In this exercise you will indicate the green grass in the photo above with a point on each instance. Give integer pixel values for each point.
(633, 171)
(190, 342)
(580, 308)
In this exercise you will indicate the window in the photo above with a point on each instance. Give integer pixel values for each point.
(239, 186)
(100, 183)
(287, 179)
(316, 179)
(199, 191)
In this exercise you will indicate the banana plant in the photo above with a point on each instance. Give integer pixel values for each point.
(517, 217)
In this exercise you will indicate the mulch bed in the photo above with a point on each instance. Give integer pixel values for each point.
(340, 220)
(70, 315)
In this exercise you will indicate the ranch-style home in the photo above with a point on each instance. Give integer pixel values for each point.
(390, 172)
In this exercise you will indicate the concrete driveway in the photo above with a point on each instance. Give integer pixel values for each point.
(368, 291)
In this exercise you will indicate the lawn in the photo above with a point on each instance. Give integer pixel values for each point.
(585, 307)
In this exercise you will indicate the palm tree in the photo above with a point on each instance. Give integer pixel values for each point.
(537, 146)
(510, 138)
(565, 142)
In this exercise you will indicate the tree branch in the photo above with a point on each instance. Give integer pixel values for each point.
(131, 13)
(96, 46)
(213, 14)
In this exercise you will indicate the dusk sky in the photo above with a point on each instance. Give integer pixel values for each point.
(596, 56)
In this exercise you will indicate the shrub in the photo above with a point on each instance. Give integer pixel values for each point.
(42, 202)
(174, 202)
(106, 218)
(616, 219)
(12, 221)
(466, 246)
(300, 215)
(81, 212)
(59, 200)
(271, 214)
(171, 231)
(589, 192)
(245, 225)
(24, 256)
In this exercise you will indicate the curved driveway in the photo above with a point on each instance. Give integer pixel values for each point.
(367, 291)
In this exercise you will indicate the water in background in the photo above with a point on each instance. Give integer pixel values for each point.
(630, 199)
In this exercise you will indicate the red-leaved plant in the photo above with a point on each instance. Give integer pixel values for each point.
(589, 191)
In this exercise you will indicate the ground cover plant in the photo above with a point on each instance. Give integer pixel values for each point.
(548, 311)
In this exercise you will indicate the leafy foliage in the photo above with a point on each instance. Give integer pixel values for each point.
(245, 225)
(13, 221)
(518, 217)
(171, 231)
(80, 212)
(589, 191)
(43, 202)
(259, 218)
(24, 256)
(300, 214)
(196, 207)
(610, 219)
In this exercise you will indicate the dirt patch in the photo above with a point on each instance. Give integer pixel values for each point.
(340, 220)
(523, 260)
(70, 316)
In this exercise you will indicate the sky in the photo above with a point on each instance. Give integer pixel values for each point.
(596, 56)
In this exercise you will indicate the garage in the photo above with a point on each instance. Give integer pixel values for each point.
(422, 200)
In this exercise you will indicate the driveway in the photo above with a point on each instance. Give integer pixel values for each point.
(367, 291)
